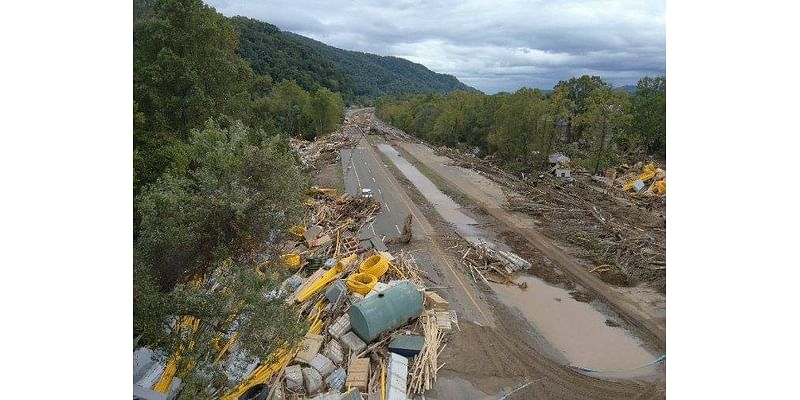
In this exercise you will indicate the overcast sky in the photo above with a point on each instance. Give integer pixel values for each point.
(490, 45)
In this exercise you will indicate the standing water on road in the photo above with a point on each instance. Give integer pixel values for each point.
(443, 204)
(577, 330)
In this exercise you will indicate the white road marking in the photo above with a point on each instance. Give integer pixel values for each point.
(372, 226)
(387, 207)
(356, 172)
(373, 179)
(398, 229)
(379, 192)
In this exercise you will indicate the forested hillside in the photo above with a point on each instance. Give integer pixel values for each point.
(375, 75)
(357, 76)
(593, 123)
(272, 52)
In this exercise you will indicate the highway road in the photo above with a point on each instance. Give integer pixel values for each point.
(362, 169)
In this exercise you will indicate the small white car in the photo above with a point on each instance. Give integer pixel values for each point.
(366, 192)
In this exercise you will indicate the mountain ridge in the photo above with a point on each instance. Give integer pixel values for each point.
(357, 75)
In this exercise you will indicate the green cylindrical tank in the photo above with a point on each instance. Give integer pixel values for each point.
(393, 308)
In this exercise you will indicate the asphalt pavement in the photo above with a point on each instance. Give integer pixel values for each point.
(362, 170)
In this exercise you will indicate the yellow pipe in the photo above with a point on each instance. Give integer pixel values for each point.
(265, 372)
(165, 380)
(227, 346)
(320, 283)
(361, 283)
(383, 381)
(375, 265)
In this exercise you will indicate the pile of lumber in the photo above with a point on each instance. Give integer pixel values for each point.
(482, 261)
(423, 370)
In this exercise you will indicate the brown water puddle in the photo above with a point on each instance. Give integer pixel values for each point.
(444, 205)
(577, 330)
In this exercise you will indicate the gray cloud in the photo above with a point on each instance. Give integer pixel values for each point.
(491, 45)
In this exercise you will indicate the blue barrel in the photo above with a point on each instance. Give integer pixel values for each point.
(391, 309)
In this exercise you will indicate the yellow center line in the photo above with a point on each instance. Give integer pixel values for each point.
(425, 231)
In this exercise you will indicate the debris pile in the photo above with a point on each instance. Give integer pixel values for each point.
(374, 329)
(310, 151)
(644, 179)
(485, 263)
(383, 341)
(609, 234)
(623, 233)
(334, 223)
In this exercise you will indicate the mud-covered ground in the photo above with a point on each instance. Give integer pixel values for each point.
(482, 361)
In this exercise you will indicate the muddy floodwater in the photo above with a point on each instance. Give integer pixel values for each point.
(444, 205)
(578, 331)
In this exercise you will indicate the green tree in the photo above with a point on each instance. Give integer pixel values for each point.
(214, 220)
(232, 306)
(578, 90)
(607, 114)
(291, 109)
(560, 110)
(521, 127)
(186, 67)
(650, 115)
(234, 194)
(185, 70)
(328, 111)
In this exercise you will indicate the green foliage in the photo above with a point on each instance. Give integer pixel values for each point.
(374, 76)
(241, 187)
(607, 115)
(272, 52)
(236, 301)
(187, 70)
(650, 115)
(584, 117)
(225, 205)
(215, 182)
(355, 75)
(290, 105)
(523, 127)
(327, 111)
(185, 66)
(576, 92)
